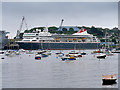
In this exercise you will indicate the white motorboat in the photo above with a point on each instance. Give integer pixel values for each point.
(101, 56)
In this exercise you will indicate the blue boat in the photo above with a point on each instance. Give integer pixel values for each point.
(44, 55)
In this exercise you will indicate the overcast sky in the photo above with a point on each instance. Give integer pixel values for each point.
(98, 14)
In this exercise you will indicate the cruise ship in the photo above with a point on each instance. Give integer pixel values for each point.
(3, 39)
(39, 39)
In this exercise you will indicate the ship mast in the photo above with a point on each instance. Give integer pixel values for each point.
(21, 25)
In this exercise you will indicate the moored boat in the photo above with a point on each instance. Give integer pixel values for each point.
(116, 50)
(17, 52)
(101, 56)
(83, 53)
(97, 51)
(68, 58)
(41, 51)
(29, 52)
(38, 56)
(109, 79)
(2, 52)
(21, 50)
(74, 54)
(10, 53)
(44, 55)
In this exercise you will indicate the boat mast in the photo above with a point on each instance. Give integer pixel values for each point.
(105, 40)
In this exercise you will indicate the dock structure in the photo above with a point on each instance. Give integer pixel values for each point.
(12, 44)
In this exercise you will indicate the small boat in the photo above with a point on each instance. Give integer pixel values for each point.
(109, 79)
(29, 52)
(41, 51)
(44, 55)
(101, 56)
(7, 53)
(21, 50)
(17, 53)
(74, 54)
(10, 53)
(68, 58)
(116, 51)
(38, 56)
(97, 51)
(48, 53)
(60, 54)
(83, 53)
(2, 52)
(2, 58)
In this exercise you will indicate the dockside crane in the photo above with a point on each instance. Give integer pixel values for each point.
(60, 27)
(21, 25)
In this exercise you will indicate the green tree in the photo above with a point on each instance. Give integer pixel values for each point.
(71, 31)
(53, 29)
(64, 30)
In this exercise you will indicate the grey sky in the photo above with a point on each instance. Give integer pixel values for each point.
(60, 0)
(41, 14)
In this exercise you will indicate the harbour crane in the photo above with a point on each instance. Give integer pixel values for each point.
(21, 25)
(60, 27)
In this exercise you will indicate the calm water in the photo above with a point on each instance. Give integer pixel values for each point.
(24, 71)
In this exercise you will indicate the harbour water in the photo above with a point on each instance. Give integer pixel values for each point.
(23, 71)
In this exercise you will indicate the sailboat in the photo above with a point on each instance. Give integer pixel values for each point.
(108, 50)
(60, 54)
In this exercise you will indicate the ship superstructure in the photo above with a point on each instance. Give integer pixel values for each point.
(44, 40)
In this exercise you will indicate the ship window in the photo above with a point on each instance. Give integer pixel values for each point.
(33, 40)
